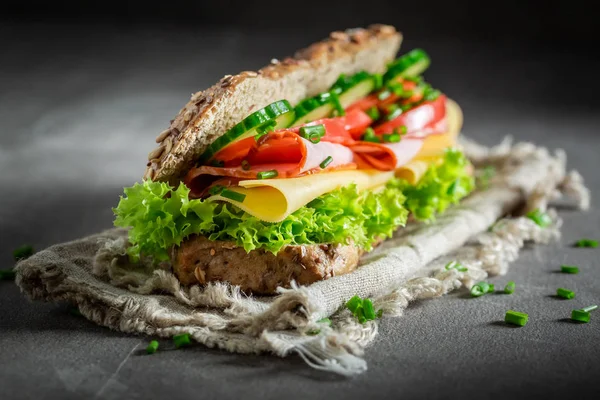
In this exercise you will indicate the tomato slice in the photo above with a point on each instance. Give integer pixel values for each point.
(235, 152)
(417, 119)
(343, 130)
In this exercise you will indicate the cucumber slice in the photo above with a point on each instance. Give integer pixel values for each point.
(352, 88)
(277, 115)
(311, 109)
(410, 65)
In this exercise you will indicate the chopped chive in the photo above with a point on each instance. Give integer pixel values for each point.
(378, 79)
(313, 133)
(368, 310)
(586, 243)
(245, 165)
(516, 318)
(569, 269)
(182, 340)
(396, 87)
(326, 162)
(325, 320)
(235, 196)
(23, 252)
(354, 304)
(491, 288)
(7, 275)
(215, 190)
(152, 347)
(384, 95)
(456, 265)
(479, 289)
(580, 316)
(401, 130)
(370, 136)
(265, 128)
(539, 217)
(509, 288)
(565, 293)
(379, 313)
(267, 174)
(391, 138)
(589, 308)
(373, 113)
(337, 105)
(431, 94)
(394, 114)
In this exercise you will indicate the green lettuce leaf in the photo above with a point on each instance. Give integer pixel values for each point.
(160, 217)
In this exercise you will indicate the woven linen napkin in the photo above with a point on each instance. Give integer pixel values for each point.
(94, 274)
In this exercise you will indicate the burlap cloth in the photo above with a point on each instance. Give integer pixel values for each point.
(90, 274)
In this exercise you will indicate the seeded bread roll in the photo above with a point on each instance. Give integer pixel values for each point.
(199, 260)
(211, 113)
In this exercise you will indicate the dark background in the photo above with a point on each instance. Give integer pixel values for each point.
(86, 86)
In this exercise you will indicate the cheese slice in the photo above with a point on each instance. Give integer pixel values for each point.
(272, 200)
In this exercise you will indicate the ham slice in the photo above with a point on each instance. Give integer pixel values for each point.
(284, 151)
(386, 156)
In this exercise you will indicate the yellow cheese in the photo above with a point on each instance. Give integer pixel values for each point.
(272, 200)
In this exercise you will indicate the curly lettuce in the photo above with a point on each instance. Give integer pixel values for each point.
(160, 217)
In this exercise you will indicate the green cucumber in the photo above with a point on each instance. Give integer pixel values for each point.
(311, 109)
(352, 88)
(410, 65)
(277, 115)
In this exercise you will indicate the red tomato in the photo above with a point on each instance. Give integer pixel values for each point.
(344, 129)
(235, 152)
(416, 119)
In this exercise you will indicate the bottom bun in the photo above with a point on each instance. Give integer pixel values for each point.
(199, 260)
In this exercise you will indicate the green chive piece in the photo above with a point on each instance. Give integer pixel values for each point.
(379, 313)
(337, 105)
(313, 133)
(580, 316)
(492, 288)
(373, 113)
(565, 293)
(23, 252)
(7, 275)
(265, 128)
(245, 165)
(325, 320)
(540, 218)
(370, 136)
(401, 130)
(516, 318)
(384, 95)
(182, 340)
(394, 114)
(326, 162)
(586, 243)
(589, 308)
(354, 304)
(479, 289)
(368, 310)
(391, 138)
(215, 190)
(378, 79)
(396, 87)
(569, 269)
(456, 265)
(235, 196)
(267, 174)
(431, 94)
(152, 347)
(509, 288)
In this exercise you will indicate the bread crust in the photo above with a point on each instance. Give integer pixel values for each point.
(199, 260)
(210, 113)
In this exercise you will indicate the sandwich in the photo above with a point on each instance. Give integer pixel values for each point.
(295, 172)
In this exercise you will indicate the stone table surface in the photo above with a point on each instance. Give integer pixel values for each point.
(80, 109)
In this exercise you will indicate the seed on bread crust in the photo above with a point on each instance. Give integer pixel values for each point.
(162, 136)
(156, 152)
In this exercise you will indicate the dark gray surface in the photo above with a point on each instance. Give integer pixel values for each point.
(80, 110)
